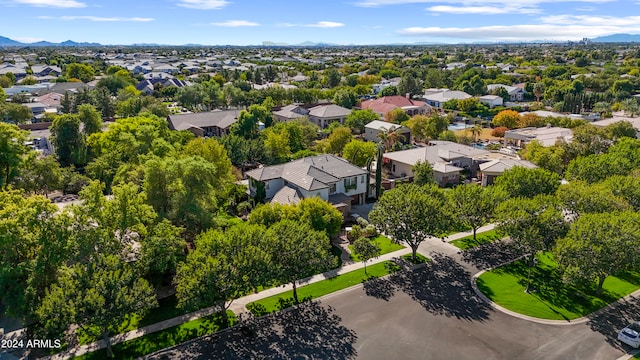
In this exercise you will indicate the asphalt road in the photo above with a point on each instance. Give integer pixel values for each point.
(430, 313)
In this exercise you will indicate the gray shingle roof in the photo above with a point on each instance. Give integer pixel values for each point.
(310, 173)
(219, 118)
(329, 111)
(287, 195)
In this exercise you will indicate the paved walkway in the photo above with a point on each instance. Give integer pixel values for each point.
(238, 306)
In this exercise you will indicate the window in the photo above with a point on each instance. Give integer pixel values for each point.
(393, 168)
(350, 183)
(332, 188)
(266, 185)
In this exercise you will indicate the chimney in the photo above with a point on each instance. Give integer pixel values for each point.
(408, 96)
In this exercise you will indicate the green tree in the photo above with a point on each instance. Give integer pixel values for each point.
(423, 173)
(549, 158)
(346, 98)
(68, 141)
(90, 118)
(359, 153)
(367, 250)
(594, 168)
(581, 198)
(277, 145)
(625, 187)
(15, 113)
(223, 267)
(212, 151)
(98, 297)
(409, 85)
(520, 181)
(357, 119)
(474, 205)
(320, 215)
(39, 175)
(247, 124)
(338, 139)
(298, 251)
(12, 152)
(83, 72)
(631, 107)
(602, 108)
(538, 90)
(600, 245)
(533, 225)
(410, 214)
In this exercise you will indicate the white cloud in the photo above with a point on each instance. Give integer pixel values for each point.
(26, 39)
(548, 31)
(325, 24)
(520, 3)
(203, 4)
(97, 18)
(52, 3)
(591, 20)
(235, 23)
(483, 10)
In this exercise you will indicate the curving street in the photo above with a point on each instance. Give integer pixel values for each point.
(428, 313)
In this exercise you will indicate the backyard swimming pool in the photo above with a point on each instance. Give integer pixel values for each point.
(458, 126)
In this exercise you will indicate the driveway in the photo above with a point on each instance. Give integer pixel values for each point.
(430, 313)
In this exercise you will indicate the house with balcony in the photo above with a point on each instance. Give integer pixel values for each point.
(326, 176)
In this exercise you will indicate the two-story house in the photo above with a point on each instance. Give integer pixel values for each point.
(327, 176)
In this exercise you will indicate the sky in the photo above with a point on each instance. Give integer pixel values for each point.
(346, 22)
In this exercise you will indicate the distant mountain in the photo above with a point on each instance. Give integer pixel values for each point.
(618, 38)
(6, 42)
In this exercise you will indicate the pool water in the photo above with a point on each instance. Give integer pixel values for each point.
(458, 126)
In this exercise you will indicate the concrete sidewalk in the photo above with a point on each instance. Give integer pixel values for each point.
(238, 306)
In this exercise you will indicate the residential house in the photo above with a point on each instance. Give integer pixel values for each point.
(322, 115)
(491, 100)
(489, 171)
(547, 136)
(147, 86)
(437, 97)
(515, 93)
(373, 130)
(635, 122)
(448, 160)
(377, 88)
(46, 70)
(51, 100)
(385, 104)
(205, 124)
(326, 176)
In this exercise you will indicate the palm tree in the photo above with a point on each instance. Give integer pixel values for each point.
(389, 137)
(631, 107)
(601, 107)
(476, 131)
(538, 90)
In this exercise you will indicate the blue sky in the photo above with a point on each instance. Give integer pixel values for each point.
(361, 22)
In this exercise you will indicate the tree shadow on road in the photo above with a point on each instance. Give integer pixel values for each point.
(490, 255)
(305, 331)
(442, 287)
(610, 321)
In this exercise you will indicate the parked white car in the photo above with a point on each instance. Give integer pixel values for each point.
(631, 335)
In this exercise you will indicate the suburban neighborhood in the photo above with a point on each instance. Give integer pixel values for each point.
(332, 202)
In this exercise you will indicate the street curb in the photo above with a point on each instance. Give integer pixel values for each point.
(582, 320)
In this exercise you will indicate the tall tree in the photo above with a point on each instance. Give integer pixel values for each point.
(97, 297)
(39, 175)
(423, 173)
(507, 118)
(533, 225)
(357, 119)
(297, 252)
(410, 214)
(525, 182)
(90, 118)
(12, 152)
(359, 153)
(68, 140)
(600, 245)
(366, 249)
(474, 205)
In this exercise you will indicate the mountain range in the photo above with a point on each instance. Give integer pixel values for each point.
(7, 42)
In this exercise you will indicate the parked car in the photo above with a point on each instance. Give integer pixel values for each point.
(631, 335)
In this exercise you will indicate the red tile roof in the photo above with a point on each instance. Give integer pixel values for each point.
(386, 103)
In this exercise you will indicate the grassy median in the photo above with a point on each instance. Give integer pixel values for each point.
(467, 242)
(549, 297)
(386, 246)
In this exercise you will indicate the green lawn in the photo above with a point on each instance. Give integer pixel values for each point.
(550, 298)
(162, 339)
(167, 309)
(467, 242)
(420, 259)
(386, 246)
(324, 287)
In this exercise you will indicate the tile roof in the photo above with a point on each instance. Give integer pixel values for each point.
(310, 173)
(286, 195)
(384, 126)
(329, 111)
(219, 118)
(501, 165)
(395, 101)
(437, 152)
